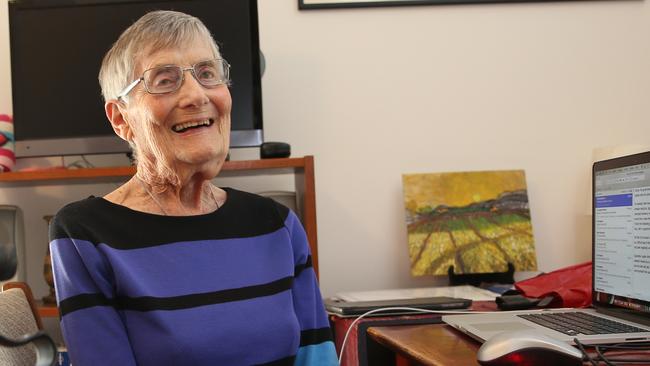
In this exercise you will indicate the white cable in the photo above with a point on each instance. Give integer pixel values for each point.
(347, 333)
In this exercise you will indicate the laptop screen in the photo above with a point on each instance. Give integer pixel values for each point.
(621, 232)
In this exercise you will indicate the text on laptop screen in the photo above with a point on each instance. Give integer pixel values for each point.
(622, 236)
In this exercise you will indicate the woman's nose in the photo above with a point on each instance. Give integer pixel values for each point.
(191, 91)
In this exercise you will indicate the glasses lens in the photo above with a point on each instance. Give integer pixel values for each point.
(162, 79)
(212, 72)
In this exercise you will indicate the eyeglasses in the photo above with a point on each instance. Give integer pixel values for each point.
(169, 78)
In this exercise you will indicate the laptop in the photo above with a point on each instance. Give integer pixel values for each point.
(354, 308)
(621, 267)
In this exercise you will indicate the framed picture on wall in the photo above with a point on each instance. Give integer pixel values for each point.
(332, 4)
(325, 4)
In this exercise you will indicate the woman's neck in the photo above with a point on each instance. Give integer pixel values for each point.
(194, 197)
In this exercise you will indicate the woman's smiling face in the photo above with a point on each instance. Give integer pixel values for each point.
(190, 126)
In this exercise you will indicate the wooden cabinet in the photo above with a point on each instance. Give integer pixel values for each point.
(302, 169)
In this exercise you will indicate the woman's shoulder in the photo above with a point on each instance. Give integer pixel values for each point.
(259, 203)
(75, 217)
(80, 208)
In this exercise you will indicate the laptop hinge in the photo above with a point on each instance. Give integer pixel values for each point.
(626, 314)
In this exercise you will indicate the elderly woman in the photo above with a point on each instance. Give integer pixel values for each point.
(169, 269)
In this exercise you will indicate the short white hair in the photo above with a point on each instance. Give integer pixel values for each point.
(154, 31)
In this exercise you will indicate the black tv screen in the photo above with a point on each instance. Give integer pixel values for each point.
(57, 47)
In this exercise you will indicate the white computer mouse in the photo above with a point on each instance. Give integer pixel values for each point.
(527, 347)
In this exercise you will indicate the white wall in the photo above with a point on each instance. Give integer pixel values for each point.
(375, 93)
(379, 92)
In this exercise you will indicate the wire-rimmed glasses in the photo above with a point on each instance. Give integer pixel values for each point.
(169, 78)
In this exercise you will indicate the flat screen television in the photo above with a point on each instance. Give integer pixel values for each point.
(56, 50)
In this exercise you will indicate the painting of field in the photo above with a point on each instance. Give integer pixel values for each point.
(477, 222)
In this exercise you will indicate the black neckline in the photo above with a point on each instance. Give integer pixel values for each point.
(116, 206)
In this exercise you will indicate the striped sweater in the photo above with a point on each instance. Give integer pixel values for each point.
(232, 287)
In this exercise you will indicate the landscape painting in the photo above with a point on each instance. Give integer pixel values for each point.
(477, 222)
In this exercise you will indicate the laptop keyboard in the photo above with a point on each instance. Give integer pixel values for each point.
(573, 323)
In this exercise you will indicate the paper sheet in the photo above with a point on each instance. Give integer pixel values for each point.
(465, 292)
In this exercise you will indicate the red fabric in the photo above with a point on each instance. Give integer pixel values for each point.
(570, 286)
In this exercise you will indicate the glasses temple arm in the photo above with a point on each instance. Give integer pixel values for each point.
(128, 89)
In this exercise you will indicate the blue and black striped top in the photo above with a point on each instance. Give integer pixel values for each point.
(232, 287)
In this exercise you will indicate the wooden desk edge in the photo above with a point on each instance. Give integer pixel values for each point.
(450, 347)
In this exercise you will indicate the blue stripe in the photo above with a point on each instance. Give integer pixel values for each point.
(323, 354)
(309, 305)
(169, 270)
(111, 342)
(72, 260)
(298, 237)
(276, 333)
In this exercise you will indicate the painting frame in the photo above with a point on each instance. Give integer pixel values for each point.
(337, 4)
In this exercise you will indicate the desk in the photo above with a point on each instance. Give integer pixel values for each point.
(441, 345)
(430, 344)
(358, 351)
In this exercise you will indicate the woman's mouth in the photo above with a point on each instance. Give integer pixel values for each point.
(186, 126)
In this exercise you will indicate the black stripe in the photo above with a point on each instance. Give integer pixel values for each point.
(281, 362)
(84, 301)
(150, 303)
(97, 220)
(282, 210)
(315, 336)
(299, 268)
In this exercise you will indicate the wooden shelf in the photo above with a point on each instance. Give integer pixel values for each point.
(302, 168)
(62, 174)
(47, 310)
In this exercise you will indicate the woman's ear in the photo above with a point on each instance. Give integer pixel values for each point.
(116, 113)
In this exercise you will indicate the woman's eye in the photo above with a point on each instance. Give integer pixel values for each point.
(207, 73)
(163, 82)
(161, 78)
